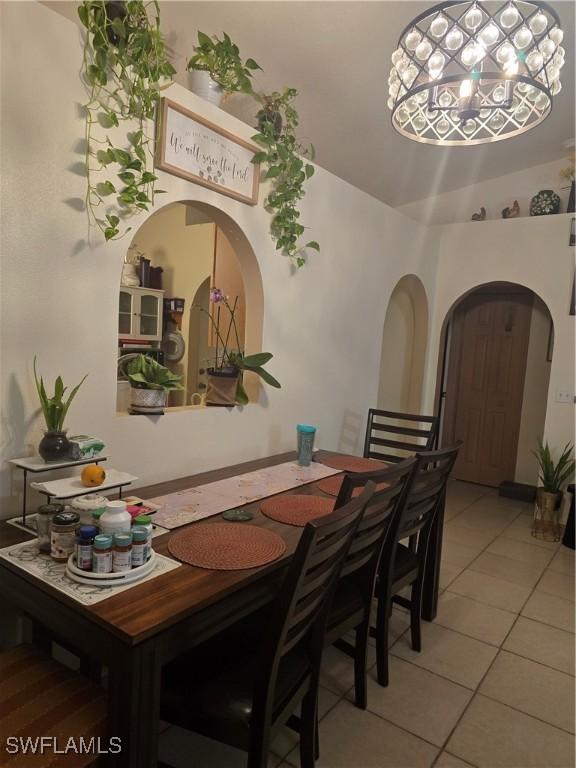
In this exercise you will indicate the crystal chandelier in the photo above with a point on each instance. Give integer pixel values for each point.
(468, 73)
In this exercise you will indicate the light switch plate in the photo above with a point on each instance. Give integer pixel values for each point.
(564, 396)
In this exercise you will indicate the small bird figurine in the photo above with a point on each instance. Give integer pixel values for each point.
(511, 212)
(479, 216)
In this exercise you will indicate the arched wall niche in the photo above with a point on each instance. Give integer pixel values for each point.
(538, 370)
(404, 338)
(191, 212)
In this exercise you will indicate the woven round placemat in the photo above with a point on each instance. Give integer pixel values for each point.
(353, 464)
(296, 509)
(332, 485)
(226, 546)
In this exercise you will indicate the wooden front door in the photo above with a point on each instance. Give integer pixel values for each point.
(485, 385)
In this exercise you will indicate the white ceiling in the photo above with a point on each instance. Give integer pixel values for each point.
(337, 54)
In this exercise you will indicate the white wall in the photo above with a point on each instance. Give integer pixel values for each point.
(494, 194)
(60, 293)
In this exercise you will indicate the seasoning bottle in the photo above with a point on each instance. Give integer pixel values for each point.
(95, 516)
(139, 545)
(63, 535)
(44, 516)
(102, 554)
(84, 546)
(145, 521)
(122, 552)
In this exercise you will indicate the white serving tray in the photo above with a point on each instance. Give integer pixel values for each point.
(69, 487)
(109, 579)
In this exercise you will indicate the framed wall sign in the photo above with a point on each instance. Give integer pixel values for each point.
(196, 149)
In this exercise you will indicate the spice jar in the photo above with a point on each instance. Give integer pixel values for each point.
(122, 552)
(84, 546)
(44, 517)
(102, 554)
(139, 545)
(145, 521)
(63, 535)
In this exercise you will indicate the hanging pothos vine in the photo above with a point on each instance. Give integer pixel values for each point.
(124, 67)
(281, 154)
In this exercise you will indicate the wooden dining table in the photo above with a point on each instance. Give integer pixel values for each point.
(134, 633)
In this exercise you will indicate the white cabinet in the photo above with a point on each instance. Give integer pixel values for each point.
(140, 314)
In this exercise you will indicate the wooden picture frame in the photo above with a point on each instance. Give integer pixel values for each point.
(196, 149)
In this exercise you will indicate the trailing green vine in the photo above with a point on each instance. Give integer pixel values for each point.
(124, 67)
(282, 154)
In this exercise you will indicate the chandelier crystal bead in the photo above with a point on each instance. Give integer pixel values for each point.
(472, 72)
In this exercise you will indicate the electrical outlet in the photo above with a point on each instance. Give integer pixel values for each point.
(564, 396)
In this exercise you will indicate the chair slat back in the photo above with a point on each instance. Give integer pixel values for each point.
(392, 436)
(391, 486)
(422, 503)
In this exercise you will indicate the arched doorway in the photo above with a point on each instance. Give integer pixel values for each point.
(188, 248)
(404, 347)
(494, 375)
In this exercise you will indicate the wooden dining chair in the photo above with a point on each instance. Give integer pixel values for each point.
(245, 700)
(404, 433)
(41, 698)
(350, 609)
(402, 566)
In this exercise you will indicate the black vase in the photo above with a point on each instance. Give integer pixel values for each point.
(54, 447)
(571, 202)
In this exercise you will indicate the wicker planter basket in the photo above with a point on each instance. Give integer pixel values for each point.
(546, 522)
(221, 388)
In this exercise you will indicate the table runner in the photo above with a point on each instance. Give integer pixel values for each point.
(27, 557)
(194, 504)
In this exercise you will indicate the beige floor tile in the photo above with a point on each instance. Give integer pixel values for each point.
(448, 573)
(446, 760)
(550, 610)
(483, 622)
(520, 530)
(484, 515)
(542, 643)
(461, 494)
(514, 571)
(563, 561)
(458, 554)
(490, 590)
(532, 688)
(492, 735)
(449, 654)
(287, 739)
(399, 623)
(559, 584)
(470, 537)
(184, 749)
(338, 669)
(354, 738)
(418, 701)
(518, 550)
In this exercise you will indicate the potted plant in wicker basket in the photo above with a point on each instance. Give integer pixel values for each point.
(553, 476)
(150, 384)
(225, 377)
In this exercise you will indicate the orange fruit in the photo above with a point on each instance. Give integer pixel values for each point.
(92, 475)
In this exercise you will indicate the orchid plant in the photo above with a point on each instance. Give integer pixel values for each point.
(227, 358)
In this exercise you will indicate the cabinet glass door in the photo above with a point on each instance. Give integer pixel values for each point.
(125, 314)
(149, 315)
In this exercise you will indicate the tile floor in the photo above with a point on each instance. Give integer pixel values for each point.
(494, 684)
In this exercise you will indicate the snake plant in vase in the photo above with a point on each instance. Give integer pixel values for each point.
(54, 446)
(226, 375)
(553, 476)
(150, 384)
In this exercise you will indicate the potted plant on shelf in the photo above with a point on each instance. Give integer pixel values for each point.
(216, 68)
(225, 377)
(54, 446)
(553, 476)
(150, 384)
